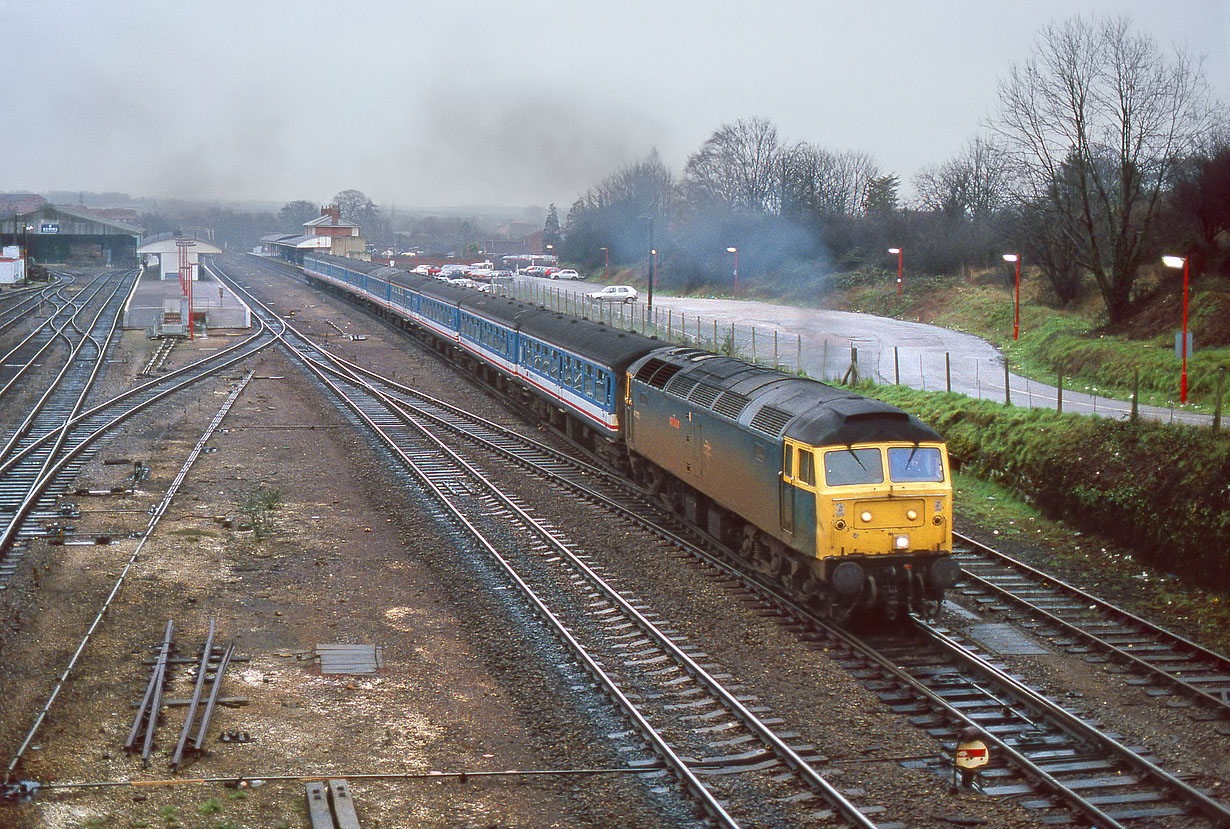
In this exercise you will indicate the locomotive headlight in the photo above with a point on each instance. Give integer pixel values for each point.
(911, 514)
(901, 542)
(866, 516)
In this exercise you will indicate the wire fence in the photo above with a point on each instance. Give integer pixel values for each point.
(981, 373)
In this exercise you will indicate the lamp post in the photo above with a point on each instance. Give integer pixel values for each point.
(606, 263)
(25, 252)
(1181, 262)
(898, 252)
(735, 251)
(1016, 313)
(550, 250)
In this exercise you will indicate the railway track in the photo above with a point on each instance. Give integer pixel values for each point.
(718, 744)
(1048, 757)
(44, 455)
(17, 306)
(1160, 661)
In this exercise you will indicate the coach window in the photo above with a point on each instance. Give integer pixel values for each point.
(788, 462)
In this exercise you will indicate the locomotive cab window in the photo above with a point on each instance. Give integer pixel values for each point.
(851, 467)
(807, 467)
(915, 464)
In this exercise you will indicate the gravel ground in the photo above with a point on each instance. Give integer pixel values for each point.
(353, 555)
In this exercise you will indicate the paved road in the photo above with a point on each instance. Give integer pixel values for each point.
(889, 350)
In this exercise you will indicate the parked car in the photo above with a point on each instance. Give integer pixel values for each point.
(535, 270)
(614, 293)
(566, 273)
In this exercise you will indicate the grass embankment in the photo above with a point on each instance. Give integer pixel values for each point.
(1071, 342)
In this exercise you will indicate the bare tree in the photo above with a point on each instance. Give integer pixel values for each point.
(823, 182)
(735, 167)
(357, 207)
(1101, 110)
(295, 213)
(974, 184)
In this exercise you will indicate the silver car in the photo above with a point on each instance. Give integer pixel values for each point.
(614, 293)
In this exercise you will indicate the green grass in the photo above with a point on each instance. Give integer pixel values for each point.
(1051, 340)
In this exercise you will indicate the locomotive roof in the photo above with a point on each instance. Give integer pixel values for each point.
(777, 404)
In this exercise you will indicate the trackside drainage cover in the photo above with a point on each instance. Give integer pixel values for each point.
(350, 659)
(1005, 639)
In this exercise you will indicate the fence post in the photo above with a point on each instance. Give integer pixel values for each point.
(824, 361)
(1007, 389)
(851, 374)
(1136, 395)
(798, 354)
(753, 345)
(948, 371)
(896, 367)
(670, 323)
(1059, 387)
(1221, 381)
(732, 342)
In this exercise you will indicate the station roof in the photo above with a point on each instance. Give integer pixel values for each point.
(68, 221)
(168, 243)
(308, 241)
(329, 221)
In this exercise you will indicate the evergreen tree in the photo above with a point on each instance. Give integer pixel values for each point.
(550, 231)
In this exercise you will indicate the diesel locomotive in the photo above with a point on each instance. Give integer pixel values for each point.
(843, 498)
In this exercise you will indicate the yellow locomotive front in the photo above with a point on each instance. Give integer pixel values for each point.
(883, 522)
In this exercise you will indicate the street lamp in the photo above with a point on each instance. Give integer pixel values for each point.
(898, 252)
(1181, 262)
(25, 252)
(735, 251)
(1016, 314)
(550, 250)
(606, 265)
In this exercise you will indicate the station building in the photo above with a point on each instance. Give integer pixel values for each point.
(328, 233)
(69, 236)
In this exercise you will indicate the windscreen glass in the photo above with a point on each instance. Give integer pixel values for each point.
(915, 464)
(849, 467)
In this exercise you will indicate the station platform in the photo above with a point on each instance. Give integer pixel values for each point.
(213, 304)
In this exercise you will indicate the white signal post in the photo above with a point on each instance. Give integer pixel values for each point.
(735, 251)
(897, 251)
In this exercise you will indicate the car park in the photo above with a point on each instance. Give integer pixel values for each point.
(614, 293)
(566, 273)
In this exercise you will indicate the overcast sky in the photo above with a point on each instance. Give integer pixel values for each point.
(488, 102)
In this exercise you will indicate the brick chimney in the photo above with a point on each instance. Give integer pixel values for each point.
(332, 211)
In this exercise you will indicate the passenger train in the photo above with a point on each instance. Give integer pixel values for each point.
(845, 499)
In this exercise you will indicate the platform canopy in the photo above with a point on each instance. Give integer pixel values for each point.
(166, 247)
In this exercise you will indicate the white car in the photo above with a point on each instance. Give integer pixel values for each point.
(614, 293)
(566, 273)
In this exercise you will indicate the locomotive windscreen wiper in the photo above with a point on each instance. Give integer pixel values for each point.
(854, 455)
